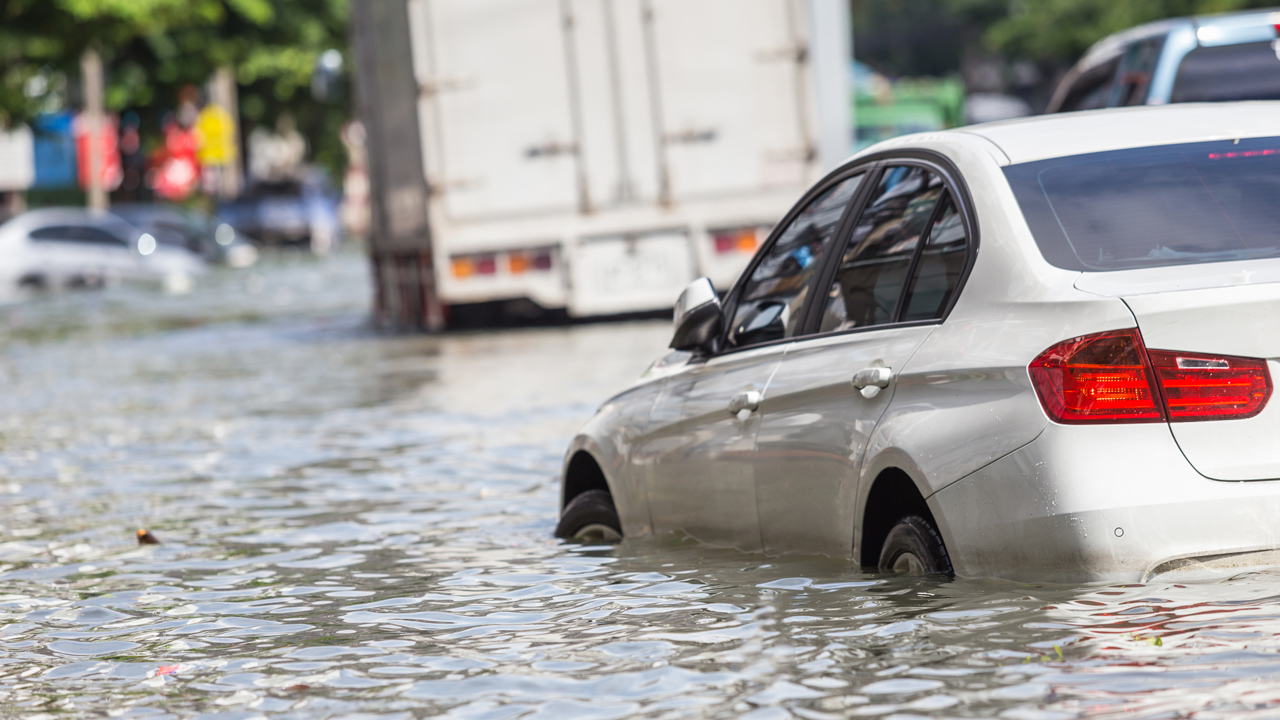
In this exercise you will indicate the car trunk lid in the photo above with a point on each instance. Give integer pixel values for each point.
(1229, 309)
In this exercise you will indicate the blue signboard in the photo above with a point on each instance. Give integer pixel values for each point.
(55, 151)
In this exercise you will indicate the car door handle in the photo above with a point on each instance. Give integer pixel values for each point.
(748, 400)
(877, 377)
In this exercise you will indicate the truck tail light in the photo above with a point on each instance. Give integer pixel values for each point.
(463, 267)
(514, 262)
(520, 262)
(743, 240)
(1111, 377)
(1211, 387)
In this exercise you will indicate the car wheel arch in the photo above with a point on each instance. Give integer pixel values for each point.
(893, 495)
(583, 471)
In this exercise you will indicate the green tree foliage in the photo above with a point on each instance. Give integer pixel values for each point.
(153, 48)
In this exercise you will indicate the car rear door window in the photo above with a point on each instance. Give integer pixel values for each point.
(1247, 71)
(874, 266)
(939, 268)
(770, 302)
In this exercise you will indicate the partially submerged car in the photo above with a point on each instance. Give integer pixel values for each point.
(1037, 348)
(55, 248)
(301, 212)
(177, 226)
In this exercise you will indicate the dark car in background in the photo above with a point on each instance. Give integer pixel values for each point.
(289, 212)
(1216, 58)
(174, 225)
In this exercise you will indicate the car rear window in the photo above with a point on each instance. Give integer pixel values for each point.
(1248, 71)
(1156, 206)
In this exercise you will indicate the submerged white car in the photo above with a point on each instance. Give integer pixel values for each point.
(74, 247)
(1038, 348)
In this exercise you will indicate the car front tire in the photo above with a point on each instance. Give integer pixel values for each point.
(590, 517)
(914, 547)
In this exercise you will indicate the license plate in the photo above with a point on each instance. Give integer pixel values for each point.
(612, 275)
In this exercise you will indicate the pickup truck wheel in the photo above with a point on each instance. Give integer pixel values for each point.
(914, 547)
(590, 517)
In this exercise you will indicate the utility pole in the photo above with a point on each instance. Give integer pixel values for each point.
(92, 80)
(223, 93)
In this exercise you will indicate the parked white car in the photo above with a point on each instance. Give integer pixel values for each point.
(74, 247)
(1037, 348)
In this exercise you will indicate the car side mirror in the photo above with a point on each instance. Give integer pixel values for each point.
(698, 316)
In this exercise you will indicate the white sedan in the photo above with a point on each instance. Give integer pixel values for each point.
(74, 247)
(1037, 348)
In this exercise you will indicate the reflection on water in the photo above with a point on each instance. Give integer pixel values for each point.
(357, 524)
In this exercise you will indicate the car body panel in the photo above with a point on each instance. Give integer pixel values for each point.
(609, 439)
(1239, 320)
(814, 428)
(698, 460)
(1114, 503)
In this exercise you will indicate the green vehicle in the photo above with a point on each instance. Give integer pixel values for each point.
(885, 109)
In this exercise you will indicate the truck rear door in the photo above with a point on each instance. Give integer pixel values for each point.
(728, 93)
(497, 107)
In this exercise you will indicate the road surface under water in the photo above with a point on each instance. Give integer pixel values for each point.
(357, 524)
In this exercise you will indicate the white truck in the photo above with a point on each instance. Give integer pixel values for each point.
(597, 155)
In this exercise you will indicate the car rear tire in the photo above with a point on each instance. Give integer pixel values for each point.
(590, 517)
(914, 547)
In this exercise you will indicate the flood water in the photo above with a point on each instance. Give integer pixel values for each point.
(358, 525)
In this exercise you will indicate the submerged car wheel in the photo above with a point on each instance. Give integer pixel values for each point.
(914, 547)
(590, 517)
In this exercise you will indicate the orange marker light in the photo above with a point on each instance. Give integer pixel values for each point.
(518, 263)
(463, 267)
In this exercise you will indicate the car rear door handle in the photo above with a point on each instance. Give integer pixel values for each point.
(869, 381)
(748, 400)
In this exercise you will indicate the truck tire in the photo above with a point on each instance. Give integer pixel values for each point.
(914, 547)
(590, 517)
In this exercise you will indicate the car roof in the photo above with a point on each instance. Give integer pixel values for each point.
(44, 217)
(1062, 134)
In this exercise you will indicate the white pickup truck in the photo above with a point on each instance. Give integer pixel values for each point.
(594, 156)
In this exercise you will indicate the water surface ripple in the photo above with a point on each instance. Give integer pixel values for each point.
(359, 525)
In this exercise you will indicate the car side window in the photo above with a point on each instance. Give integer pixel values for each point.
(874, 266)
(75, 234)
(770, 302)
(938, 270)
(56, 233)
(1136, 68)
(1092, 89)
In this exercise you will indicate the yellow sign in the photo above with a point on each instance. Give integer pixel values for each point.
(215, 136)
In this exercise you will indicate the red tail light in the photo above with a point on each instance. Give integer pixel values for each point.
(1097, 378)
(1111, 377)
(1211, 387)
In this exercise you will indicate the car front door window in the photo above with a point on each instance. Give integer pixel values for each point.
(877, 258)
(773, 295)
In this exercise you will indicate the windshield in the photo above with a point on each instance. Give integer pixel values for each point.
(1249, 71)
(1157, 206)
